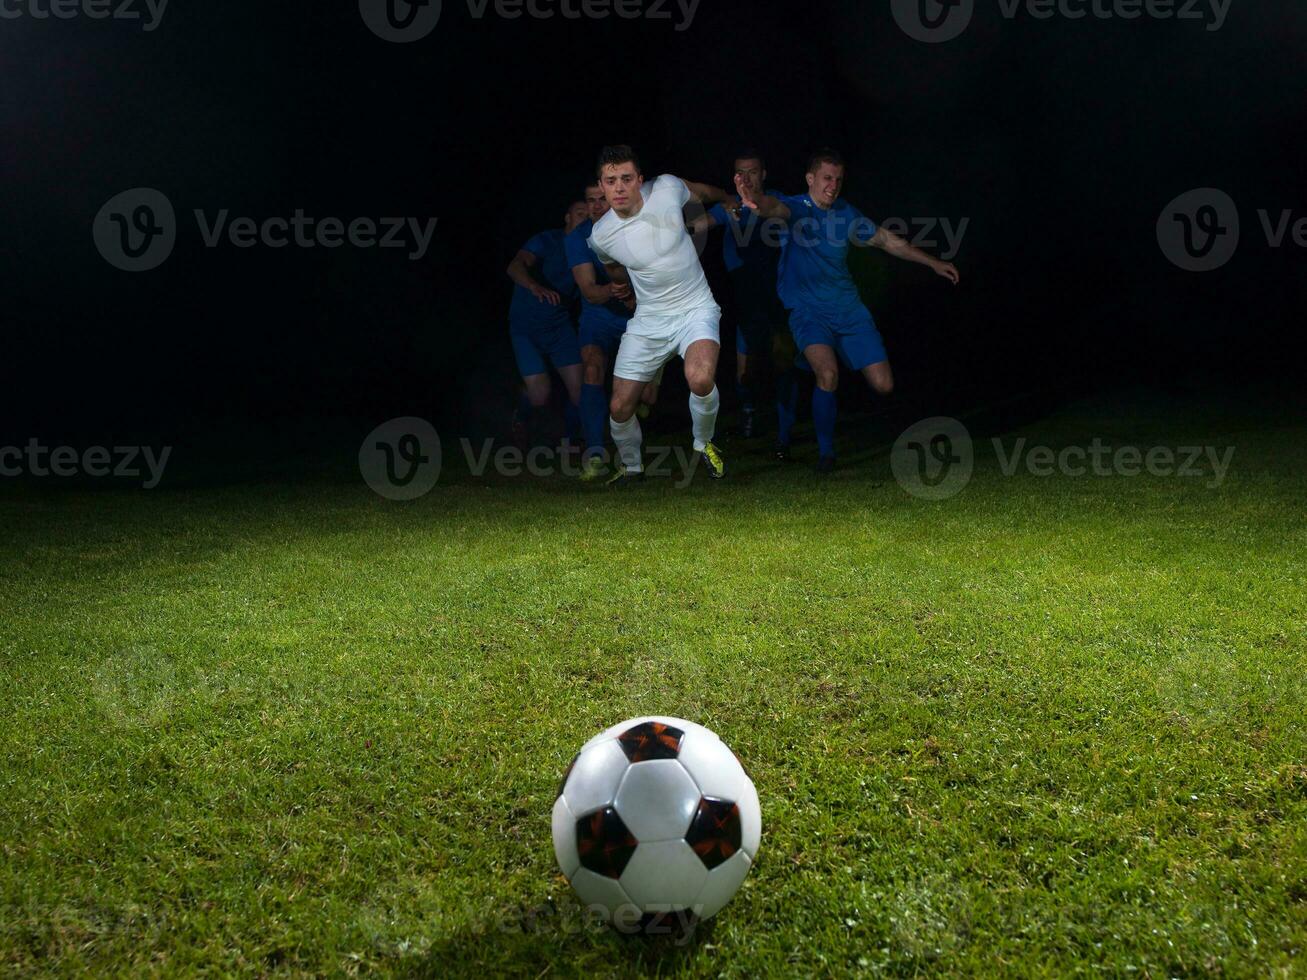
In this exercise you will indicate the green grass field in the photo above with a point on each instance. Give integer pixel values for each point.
(1050, 726)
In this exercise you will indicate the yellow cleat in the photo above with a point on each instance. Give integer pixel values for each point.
(712, 457)
(594, 468)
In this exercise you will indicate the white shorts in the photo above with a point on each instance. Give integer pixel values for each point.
(652, 341)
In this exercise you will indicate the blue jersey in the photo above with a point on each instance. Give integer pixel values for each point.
(612, 314)
(814, 270)
(527, 313)
(748, 239)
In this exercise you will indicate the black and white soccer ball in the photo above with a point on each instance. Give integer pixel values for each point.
(656, 816)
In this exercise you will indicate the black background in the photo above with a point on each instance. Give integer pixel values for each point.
(1061, 141)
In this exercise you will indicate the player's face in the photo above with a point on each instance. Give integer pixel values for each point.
(621, 183)
(577, 213)
(596, 202)
(752, 174)
(825, 186)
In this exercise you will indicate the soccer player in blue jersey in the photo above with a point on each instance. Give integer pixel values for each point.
(827, 317)
(606, 308)
(540, 320)
(764, 351)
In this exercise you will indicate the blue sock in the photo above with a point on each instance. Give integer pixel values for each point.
(823, 417)
(594, 417)
(572, 415)
(787, 395)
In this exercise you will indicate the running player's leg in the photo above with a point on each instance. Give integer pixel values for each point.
(535, 381)
(814, 336)
(594, 406)
(638, 361)
(880, 376)
(565, 355)
(626, 427)
(826, 368)
(786, 383)
(650, 397)
(700, 348)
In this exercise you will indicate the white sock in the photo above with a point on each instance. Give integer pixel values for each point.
(703, 417)
(628, 439)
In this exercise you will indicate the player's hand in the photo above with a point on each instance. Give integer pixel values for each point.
(622, 291)
(949, 271)
(546, 295)
(746, 196)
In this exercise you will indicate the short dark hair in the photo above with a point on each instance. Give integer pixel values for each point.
(749, 153)
(611, 156)
(825, 155)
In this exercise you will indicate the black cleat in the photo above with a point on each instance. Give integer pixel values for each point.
(747, 426)
(825, 465)
(782, 453)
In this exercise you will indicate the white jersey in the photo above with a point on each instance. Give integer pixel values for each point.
(657, 251)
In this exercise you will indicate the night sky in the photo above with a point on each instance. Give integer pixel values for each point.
(1059, 142)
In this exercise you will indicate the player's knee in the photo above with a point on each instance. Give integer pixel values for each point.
(701, 382)
(828, 379)
(593, 374)
(619, 410)
(883, 386)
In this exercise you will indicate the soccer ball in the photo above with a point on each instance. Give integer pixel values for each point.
(656, 817)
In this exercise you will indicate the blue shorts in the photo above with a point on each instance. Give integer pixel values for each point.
(853, 334)
(558, 344)
(604, 333)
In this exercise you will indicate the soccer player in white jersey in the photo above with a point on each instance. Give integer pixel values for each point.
(642, 241)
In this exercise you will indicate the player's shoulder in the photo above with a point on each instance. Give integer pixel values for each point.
(604, 226)
(582, 231)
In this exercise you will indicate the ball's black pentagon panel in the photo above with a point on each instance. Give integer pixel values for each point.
(604, 843)
(714, 832)
(651, 740)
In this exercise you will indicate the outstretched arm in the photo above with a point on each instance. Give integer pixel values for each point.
(519, 270)
(764, 204)
(899, 247)
(707, 194)
(702, 223)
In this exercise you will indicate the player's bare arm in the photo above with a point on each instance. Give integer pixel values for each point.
(901, 248)
(589, 285)
(519, 270)
(764, 204)
(707, 194)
